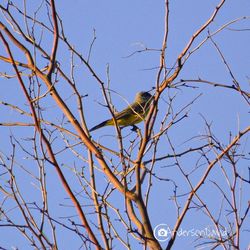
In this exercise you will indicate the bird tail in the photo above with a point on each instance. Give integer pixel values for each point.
(102, 124)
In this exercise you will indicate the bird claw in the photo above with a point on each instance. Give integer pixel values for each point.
(134, 128)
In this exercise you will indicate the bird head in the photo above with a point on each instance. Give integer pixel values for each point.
(142, 97)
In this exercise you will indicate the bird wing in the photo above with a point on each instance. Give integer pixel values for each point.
(135, 108)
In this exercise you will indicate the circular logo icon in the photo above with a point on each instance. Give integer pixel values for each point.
(162, 232)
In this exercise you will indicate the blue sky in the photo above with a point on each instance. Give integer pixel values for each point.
(122, 28)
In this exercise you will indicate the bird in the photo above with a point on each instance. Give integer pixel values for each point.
(133, 114)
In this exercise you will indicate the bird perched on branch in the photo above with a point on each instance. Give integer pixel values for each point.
(133, 114)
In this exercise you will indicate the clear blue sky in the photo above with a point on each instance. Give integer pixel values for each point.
(121, 28)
